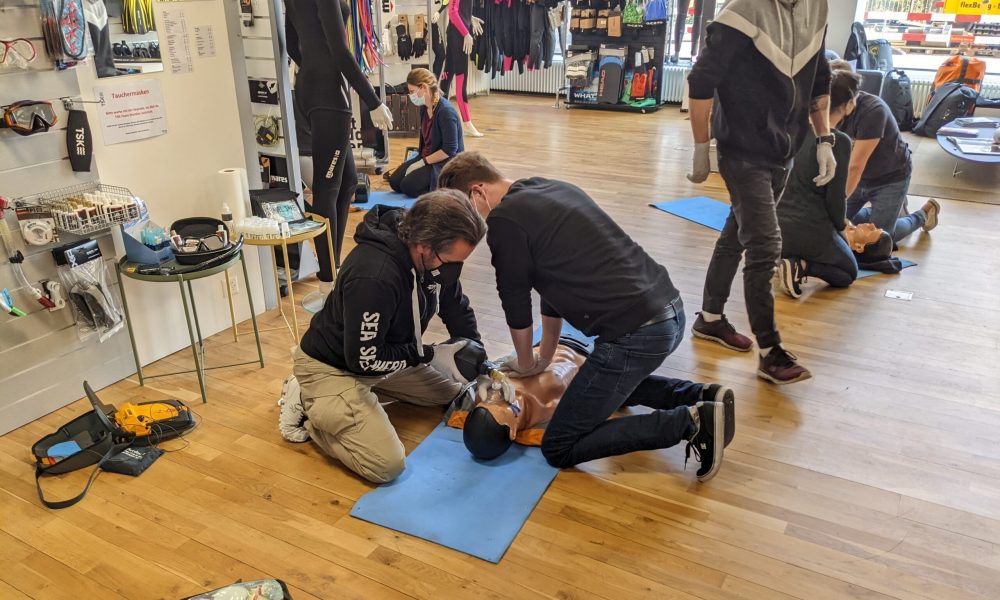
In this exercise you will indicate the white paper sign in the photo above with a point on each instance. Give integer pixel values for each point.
(132, 110)
(899, 295)
(178, 43)
(204, 41)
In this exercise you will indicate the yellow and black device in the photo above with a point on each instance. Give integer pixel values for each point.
(154, 421)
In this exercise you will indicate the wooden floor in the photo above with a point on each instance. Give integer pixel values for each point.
(879, 478)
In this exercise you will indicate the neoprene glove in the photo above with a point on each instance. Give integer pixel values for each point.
(827, 164)
(419, 47)
(404, 45)
(467, 44)
(701, 166)
(513, 369)
(382, 117)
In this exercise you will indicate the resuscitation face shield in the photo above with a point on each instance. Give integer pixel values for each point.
(29, 116)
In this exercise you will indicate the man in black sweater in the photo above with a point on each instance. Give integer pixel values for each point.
(365, 345)
(764, 65)
(551, 237)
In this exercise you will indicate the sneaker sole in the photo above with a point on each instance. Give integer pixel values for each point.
(725, 396)
(718, 341)
(932, 222)
(718, 441)
(786, 280)
(802, 377)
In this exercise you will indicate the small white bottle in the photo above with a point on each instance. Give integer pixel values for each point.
(227, 216)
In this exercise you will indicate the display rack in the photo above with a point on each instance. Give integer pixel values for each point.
(650, 34)
(86, 208)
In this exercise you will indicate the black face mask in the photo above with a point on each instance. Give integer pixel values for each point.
(447, 273)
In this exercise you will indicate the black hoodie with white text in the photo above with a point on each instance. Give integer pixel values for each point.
(367, 324)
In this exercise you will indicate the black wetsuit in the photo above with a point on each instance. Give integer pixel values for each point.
(316, 35)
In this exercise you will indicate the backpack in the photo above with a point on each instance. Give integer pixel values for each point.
(949, 102)
(963, 70)
(881, 52)
(898, 94)
(858, 50)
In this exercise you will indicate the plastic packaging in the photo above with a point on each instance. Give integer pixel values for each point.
(84, 276)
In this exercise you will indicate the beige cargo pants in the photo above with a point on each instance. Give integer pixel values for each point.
(346, 420)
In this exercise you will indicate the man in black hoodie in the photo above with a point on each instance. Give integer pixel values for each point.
(764, 65)
(365, 345)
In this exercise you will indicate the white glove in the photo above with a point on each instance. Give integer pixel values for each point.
(477, 28)
(444, 358)
(701, 166)
(413, 168)
(506, 390)
(513, 370)
(827, 164)
(467, 44)
(382, 117)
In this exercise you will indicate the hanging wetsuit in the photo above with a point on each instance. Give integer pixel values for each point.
(437, 44)
(316, 34)
(680, 25)
(456, 60)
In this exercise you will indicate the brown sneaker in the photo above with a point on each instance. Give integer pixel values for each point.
(779, 367)
(721, 332)
(932, 208)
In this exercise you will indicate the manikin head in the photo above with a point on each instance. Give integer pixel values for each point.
(472, 174)
(491, 427)
(844, 86)
(441, 229)
(422, 87)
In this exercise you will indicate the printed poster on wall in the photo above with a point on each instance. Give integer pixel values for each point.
(131, 111)
(972, 7)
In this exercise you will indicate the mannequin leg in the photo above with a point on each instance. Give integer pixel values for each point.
(680, 25)
(699, 9)
(335, 174)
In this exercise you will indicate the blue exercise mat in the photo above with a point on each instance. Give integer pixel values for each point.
(570, 332)
(388, 199)
(449, 498)
(703, 211)
(862, 273)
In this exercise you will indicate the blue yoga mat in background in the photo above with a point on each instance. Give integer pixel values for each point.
(703, 211)
(862, 273)
(388, 199)
(449, 498)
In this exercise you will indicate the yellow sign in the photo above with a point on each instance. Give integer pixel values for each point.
(972, 7)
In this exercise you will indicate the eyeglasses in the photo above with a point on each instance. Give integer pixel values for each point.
(204, 244)
(17, 53)
(29, 116)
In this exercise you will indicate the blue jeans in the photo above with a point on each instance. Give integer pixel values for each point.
(835, 263)
(617, 374)
(886, 203)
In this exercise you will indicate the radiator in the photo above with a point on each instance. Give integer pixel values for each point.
(674, 78)
(543, 81)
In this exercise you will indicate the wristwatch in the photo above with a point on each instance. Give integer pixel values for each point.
(827, 139)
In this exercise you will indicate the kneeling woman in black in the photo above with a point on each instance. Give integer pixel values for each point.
(440, 136)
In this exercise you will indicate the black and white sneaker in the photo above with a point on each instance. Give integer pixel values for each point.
(790, 277)
(707, 443)
(720, 393)
(291, 415)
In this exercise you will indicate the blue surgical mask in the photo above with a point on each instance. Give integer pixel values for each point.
(416, 100)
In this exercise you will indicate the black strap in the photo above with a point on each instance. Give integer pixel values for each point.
(56, 505)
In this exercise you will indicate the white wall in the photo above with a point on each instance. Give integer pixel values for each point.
(174, 174)
(842, 13)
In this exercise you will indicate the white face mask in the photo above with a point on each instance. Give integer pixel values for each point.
(416, 100)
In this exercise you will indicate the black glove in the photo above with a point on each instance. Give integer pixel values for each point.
(470, 358)
(419, 47)
(404, 46)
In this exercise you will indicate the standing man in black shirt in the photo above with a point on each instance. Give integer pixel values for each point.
(551, 237)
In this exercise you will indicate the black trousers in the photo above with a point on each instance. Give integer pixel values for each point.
(414, 184)
(680, 25)
(335, 179)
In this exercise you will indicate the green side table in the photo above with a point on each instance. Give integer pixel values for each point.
(130, 270)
